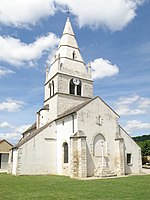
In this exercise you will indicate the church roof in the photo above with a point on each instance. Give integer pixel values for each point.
(31, 128)
(78, 107)
(65, 114)
(33, 134)
(74, 109)
(45, 107)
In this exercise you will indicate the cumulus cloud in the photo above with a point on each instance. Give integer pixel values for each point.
(21, 13)
(14, 133)
(102, 68)
(11, 105)
(136, 125)
(132, 105)
(144, 103)
(114, 14)
(18, 53)
(6, 125)
(4, 71)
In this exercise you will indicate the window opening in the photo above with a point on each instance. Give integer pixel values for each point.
(61, 65)
(128, 158)
(73, 55)
(75, 87)
(65, 153)
(79, 89)
(72, 87)
(52, 87)
(50, 92)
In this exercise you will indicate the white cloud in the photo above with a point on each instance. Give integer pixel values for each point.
(6, 125)
(128, 100)
(114, 14)
(136, 125)
(22, 13)
(11, 105)
(4, 71)
(125, 110)
(19, 53)
(22, 128)
(132, 105)
(103, 68)
(12, 137)
(144, 102)
(14, 133)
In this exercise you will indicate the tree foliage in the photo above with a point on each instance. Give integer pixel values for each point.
(141, 138)
(145, 147)
(144, 142)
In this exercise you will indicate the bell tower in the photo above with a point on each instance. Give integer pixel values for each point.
(68, 81)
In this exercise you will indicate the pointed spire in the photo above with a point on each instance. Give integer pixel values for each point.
(67, 57)
(68, 37)
(68, 28)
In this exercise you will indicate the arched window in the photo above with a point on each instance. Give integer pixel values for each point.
(65, 146)
(99, 145)
(52, 88)
(75, 86)
(79, 89)
(72, 87)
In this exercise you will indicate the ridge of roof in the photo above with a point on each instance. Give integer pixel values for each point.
(66, 113)
(34, 133)
(30, 128)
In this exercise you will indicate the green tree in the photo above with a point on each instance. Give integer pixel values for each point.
(146, 148)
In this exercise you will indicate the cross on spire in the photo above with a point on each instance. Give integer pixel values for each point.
(68, 12)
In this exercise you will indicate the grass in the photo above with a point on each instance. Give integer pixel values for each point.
(60, 188)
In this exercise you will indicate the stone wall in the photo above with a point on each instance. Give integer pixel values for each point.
(78, 156)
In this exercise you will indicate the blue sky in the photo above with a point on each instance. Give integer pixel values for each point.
(113, 36)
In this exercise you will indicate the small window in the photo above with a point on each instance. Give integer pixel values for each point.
(50, 90)
(65, 152)
(52, 87)
(129, 158)
(73, 55)
(61, 65)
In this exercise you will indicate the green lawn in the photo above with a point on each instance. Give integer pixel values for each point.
(59, 187)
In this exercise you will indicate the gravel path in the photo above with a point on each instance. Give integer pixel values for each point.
(145, 171)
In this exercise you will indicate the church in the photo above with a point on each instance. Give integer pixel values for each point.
(75, 134)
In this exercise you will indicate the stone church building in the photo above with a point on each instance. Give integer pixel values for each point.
(75, 134)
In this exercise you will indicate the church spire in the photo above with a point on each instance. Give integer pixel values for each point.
(69, 83)
(68, 28)
(67, 58)
(68, 37)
